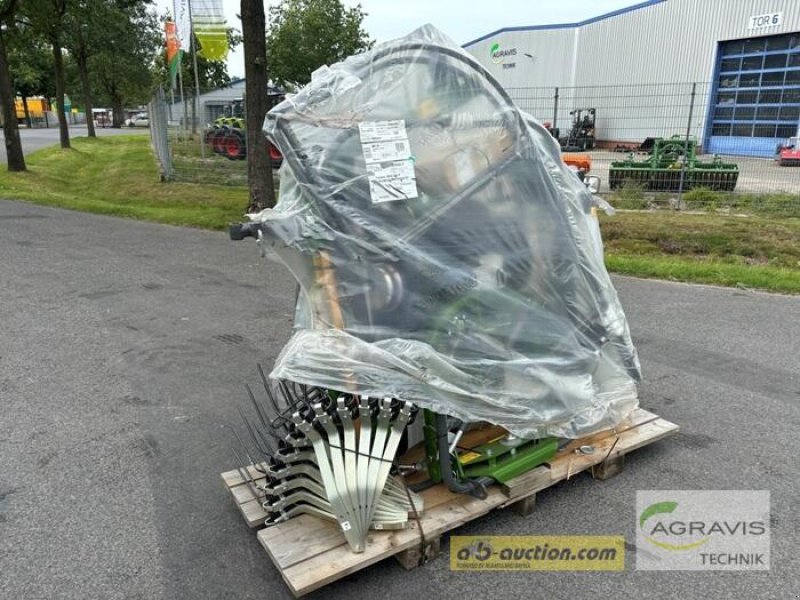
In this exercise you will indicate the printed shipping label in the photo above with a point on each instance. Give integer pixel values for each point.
(390, 166)
(392, 181)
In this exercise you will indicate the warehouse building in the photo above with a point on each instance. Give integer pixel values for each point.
(728, 70)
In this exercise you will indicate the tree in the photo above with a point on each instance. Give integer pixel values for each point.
(46, 17)
(31, 64)
(83, 36)
(259, 169)
(123, 66)
(306, 34)
(16, 159)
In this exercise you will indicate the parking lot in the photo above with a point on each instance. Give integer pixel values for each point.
(124, 347)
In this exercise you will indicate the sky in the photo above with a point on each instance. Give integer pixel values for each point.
(462, 20)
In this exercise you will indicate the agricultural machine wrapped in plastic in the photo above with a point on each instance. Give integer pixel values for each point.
(447, 260)
(673, 165)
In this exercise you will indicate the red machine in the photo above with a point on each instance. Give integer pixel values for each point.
(788, 154)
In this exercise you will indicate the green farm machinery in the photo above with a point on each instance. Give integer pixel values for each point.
(674, 166)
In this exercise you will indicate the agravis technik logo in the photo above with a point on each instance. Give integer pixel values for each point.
(703, 530)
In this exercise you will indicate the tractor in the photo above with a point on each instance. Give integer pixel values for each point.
(227, 136)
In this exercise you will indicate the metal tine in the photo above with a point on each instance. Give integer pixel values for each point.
(268, 428)
(259, 409)
(266, 452)
(268, 389)
(245, 475)
(291, 402)
(242, 444)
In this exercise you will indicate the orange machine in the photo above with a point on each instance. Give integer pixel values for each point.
(583, 162)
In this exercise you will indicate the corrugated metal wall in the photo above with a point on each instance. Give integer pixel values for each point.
(671, 43)
(551, 65)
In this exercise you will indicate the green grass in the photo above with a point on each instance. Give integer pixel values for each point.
(754, 252)
(118, 176)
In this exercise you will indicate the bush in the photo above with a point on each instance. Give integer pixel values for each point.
(630, 196)
(703, 198)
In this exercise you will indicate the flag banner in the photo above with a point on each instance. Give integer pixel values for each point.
(173, 51)
(210, 29)
(183, 23)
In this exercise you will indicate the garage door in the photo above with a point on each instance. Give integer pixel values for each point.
(756, 99)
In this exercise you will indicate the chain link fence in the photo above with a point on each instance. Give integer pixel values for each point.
(691, 146)
(204, 139)
(685, 146)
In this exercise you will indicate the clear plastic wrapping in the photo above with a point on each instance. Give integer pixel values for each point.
(444, 252)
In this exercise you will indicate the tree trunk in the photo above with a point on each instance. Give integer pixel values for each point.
(58, 63)
(86, 90)
(117, 112)
(259, 167)
(27, 111)
(16, 159)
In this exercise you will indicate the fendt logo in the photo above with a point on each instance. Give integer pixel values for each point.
(676, 534)
(497, 55)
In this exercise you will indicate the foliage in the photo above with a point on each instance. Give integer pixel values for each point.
(756, 204)
(629, 196)
(306, 34)
(121, 68)
(31, 64)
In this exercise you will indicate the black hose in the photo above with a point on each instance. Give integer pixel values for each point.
(472, 487)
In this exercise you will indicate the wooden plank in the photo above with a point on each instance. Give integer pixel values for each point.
(525, 506)
(324, 568)
(234, 478)
(300, 539)
(416, 555)
(527, 483)
(608, 468)
(310, 552)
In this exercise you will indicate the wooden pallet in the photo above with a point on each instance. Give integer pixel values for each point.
(311, 553)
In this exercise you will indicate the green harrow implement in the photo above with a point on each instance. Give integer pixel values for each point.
(674, 160)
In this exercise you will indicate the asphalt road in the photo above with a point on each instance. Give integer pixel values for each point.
(35, 139)
(123, 350)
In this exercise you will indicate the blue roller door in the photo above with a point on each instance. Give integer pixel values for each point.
(755, 102)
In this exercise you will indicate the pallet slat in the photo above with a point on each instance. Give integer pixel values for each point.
(311, 553)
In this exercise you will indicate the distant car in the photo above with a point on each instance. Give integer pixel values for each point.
(140, 120)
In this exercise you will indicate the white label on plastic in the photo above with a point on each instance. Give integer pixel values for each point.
(385, 151)
(382, 131)
(390, 166)
(346, 526)
(392, 181)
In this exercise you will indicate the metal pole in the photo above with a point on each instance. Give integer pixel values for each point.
(555, 110)
(193, 48)
(184, 122)
(686, 144)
